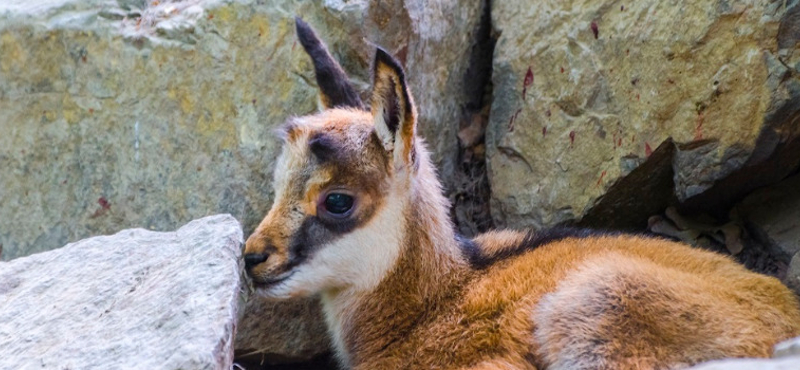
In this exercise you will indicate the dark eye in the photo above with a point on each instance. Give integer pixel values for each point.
(338, 203)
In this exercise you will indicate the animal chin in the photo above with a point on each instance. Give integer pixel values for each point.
(265, 284)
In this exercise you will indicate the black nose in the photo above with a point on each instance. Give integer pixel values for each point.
(253, 259)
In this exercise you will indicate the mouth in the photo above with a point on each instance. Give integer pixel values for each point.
(266, 283)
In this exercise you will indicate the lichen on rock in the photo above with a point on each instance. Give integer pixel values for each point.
(612, 82)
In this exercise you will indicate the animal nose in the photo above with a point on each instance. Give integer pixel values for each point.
(253, 259)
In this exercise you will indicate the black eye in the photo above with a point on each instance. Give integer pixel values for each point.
(338, 203)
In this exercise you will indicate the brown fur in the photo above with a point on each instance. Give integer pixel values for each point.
(603, 303)
(597, 302)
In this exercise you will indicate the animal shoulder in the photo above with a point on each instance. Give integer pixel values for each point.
(498, 245)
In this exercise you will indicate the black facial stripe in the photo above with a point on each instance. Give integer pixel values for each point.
(531, 241)
(308, 238)
(316, 231)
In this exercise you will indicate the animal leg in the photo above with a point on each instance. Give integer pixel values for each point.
(620, 312)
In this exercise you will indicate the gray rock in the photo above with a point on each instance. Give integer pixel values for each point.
(281, 332)
(786, 357)
(136, 299)
(775, 213)
(792, 279)
(787, 363)
(788, 348)
(147, 113)
(772, 218)
(584, 92)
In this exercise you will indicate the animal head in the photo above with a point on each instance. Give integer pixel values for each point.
(341, 183)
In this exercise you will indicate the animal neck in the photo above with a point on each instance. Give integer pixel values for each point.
(428, 273)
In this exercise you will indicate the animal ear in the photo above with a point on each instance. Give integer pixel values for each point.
(392, 107)
(334, 87)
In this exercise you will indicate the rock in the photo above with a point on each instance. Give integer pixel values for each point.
(148, 113)
(792, 278)
(136, 299)
(774, 213)
(788, 363)
(772, 219)
(788, 348)
(285, 332)
(584, 93)
(786, 357)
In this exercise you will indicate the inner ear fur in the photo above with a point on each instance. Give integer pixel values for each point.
(393, 107)
(334, 87)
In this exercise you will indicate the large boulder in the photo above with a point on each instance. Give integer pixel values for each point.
(135, 299)
(703, 94)
(153, 113)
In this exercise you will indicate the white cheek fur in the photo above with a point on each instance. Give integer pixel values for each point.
(358, 260)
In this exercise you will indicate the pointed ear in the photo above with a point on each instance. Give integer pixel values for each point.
(334, 87)
(393, 107)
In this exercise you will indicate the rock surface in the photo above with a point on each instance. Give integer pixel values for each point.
(787, 357)
(283, 332)
(586, 91)
(136, 299)
(772, 218)
(787, 363)
(792, 279)
(788, 348)
(153, 113)
(775, 213)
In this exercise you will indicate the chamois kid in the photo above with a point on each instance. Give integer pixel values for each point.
(360, 220)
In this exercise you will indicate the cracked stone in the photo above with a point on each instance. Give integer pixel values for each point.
(151, 300)
(611, 84)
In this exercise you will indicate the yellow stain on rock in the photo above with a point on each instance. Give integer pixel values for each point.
(213, 120)
(186, 104)
(71, 112)
(225, 14)
(184, 99)
(263, 27)
(219, 125)
(286, 27)
(49, 115)
(14, 55)
(257, 26)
